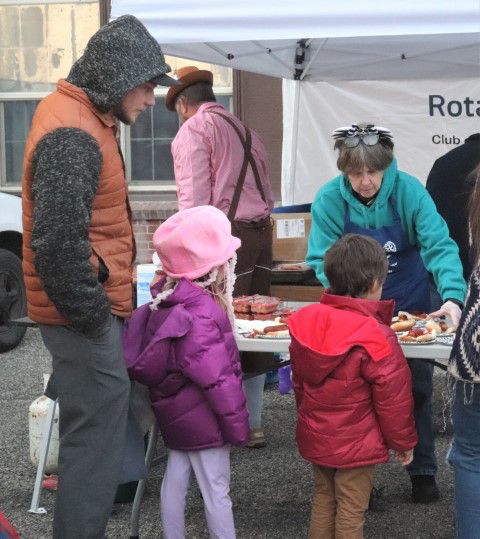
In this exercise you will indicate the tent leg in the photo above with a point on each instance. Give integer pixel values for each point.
(135, 516)
(291, 93)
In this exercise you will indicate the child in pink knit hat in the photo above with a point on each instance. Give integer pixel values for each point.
(182, 346)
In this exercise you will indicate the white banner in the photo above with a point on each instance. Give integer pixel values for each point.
(427, 118)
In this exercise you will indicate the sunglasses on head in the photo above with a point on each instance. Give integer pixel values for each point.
(369, 139)
(368, 134)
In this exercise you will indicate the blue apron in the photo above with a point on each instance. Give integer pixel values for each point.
(407, 278)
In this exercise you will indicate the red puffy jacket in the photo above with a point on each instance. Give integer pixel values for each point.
(352, 383)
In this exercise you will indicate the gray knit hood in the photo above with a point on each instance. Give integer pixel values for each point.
(118, 58)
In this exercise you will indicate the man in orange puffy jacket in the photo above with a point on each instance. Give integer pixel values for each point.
(78, 251)
(352, 386)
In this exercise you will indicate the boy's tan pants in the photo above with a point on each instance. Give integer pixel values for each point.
(340, 499)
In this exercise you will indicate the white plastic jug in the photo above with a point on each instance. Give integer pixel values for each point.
(145, 274)
(37, 415)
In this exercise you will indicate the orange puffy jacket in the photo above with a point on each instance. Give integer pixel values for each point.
(110, 231)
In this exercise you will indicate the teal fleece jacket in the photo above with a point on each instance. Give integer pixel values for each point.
(420, 220)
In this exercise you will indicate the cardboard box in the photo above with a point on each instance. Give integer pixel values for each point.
(290, 235)
(290, 238)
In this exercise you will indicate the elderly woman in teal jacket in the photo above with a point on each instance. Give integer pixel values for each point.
(372, 197)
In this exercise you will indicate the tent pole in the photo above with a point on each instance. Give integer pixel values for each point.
(312, 59)
(290, 140)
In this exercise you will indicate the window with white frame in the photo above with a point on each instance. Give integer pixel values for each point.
(146, 144)
(39, 42)
(15, 119)
(148, 141)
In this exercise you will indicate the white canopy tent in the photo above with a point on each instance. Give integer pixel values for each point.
(316, 40)
(336, 40)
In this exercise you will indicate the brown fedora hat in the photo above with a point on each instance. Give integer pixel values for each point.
(186, 76)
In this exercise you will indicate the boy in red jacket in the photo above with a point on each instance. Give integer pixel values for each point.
(352, 386)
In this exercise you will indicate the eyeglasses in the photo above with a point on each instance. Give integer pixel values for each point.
(369, 139)
(368, 134)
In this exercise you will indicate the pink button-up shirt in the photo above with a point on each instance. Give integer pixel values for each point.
(208, 156)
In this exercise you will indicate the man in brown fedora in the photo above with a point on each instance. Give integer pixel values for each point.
(221, 162)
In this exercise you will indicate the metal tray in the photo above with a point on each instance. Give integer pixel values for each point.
(280, 275)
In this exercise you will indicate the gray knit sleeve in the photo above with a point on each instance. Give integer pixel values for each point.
(66, 168)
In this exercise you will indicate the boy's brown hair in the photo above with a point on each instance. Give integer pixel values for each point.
(353, 264)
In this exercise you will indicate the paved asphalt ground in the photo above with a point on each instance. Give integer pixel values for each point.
(270, 487)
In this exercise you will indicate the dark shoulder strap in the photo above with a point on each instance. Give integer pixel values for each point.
(248, 158)
(241, 179)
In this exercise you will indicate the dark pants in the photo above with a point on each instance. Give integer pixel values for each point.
(464, 456)
(93, 394)
(253, 270)
(254, 260)
(424, 461)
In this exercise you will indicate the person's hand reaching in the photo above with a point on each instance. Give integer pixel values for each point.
(450, 309)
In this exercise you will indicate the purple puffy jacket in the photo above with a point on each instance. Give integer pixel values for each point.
(185, 352)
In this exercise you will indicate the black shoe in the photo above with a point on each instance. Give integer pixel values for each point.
(424, 489)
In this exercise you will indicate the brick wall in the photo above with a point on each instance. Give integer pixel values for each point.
(146, 218)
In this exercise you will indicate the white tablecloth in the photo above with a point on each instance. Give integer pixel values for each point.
(434, 351)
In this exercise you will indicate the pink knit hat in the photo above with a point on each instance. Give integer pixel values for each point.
(194, 241)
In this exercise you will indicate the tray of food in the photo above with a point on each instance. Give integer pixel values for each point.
(275, 331)
(262, 329)
(419, 335)
(258, 307)
(262, 317)
(419, 328)
(291, 272)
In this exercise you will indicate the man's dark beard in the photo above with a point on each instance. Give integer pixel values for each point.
(119, 112)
